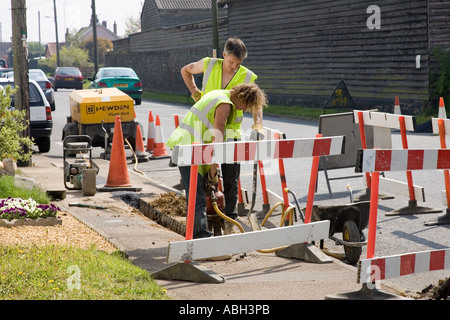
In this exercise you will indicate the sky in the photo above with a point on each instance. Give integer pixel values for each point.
(71, 14)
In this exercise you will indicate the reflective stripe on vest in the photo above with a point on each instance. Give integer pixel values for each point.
(208, 73)
(202, 115)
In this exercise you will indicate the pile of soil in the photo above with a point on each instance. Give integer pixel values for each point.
(171, 203)
(438, 292)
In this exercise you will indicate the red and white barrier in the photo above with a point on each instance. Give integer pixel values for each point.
(404, 124)
(380, 160)
(249, 151)
(232, 152)
(375, 269)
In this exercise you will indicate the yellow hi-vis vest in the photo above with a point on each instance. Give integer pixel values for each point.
(198, 124)
(212, 80)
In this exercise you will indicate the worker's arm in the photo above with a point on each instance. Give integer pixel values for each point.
(187, 72)
(257, 127)
(257, 116)
(220, 120)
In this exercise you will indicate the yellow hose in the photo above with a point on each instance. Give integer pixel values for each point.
(135, 159)
(237, 224)
(283, 216)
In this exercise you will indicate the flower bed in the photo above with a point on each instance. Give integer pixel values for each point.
(16, 211)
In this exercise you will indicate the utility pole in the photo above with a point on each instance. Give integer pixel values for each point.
(215, 28)
(94, 29)
(20, 65)
(56, 31)
(39, 27)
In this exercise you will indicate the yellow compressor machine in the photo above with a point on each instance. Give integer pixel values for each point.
(93, 113)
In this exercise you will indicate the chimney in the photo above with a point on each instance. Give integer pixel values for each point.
(104, 24)
(115, 27)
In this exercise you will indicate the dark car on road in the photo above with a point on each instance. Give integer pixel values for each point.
(41, 122)
(68, 78)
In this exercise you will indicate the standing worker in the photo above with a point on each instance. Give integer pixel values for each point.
(225, 74)
(210, 120)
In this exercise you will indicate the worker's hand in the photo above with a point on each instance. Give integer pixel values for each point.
(212, 182)
(257, 132)
(196, 96)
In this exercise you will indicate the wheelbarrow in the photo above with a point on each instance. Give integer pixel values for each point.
(349, 219)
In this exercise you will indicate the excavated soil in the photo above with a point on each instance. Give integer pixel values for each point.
(170, 203)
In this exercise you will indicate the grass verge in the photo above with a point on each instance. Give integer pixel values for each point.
(55, 272)
(67, 272)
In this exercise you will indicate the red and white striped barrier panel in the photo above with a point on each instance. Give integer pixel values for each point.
(370, 270)
(384, 120)
(382, 124)
(249, 151)
(380, 160)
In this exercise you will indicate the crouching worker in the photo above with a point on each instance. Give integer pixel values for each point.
(212, 119)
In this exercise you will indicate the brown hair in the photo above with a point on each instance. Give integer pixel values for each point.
(236, 47)
(249, 95)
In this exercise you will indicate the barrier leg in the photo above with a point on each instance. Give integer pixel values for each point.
(241, 205)
(307, 251)
(412, 207)
(445, 219)
(262, 177)
(368, 291)
(312, 184)
(188, 271)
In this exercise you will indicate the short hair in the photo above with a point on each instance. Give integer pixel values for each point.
(236, 47)
(250, 95)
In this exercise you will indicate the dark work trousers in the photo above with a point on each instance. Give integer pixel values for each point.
(230, 176)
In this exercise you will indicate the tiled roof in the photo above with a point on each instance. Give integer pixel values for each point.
(183, 4)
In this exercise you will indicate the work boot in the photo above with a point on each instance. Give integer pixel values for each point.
(228, 228)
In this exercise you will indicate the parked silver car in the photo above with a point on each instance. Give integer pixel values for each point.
(41, 122)
(39, 76)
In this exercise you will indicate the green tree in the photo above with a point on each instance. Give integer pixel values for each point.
(440, 75)
(103, 46)
(73, 38)
(73, 57)
(12, 123)
(35, 49)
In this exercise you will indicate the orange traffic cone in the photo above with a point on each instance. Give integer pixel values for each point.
(140, 152)
(442, 114)
(397, 106)
(176, 119)
(160, 147)
(150, 133)
(118, 171)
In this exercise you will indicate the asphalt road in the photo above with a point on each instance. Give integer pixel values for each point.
(395, 234)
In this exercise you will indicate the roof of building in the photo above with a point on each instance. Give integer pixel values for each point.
(183, 4)
(106, 32)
